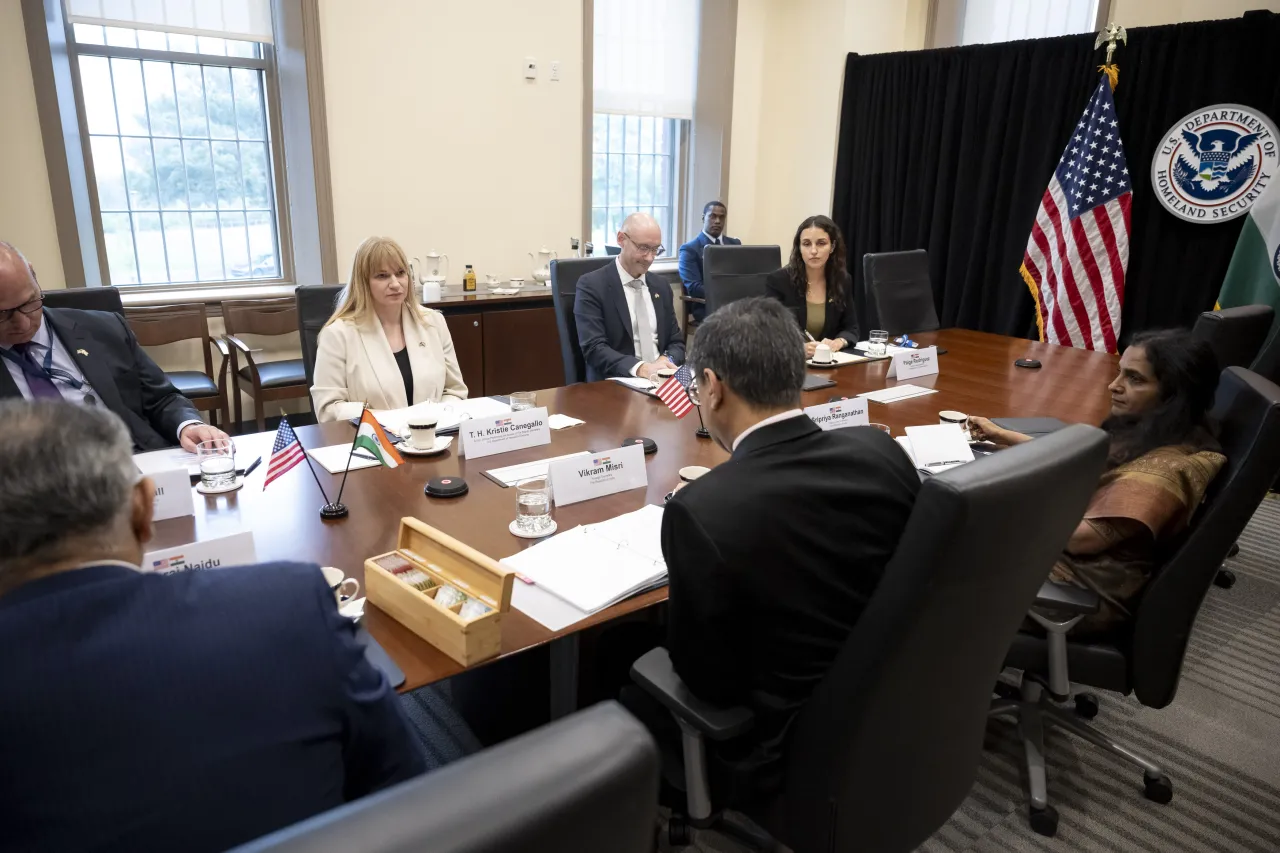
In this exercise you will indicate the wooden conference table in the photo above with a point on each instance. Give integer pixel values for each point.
(977, 377)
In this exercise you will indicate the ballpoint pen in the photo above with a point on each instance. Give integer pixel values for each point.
(254, 464)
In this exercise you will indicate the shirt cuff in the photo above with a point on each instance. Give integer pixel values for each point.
(184, 425)
(635, 368)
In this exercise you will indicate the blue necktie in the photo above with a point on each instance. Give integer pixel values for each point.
(42, 387)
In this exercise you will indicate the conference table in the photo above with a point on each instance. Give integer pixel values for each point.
(977, 376)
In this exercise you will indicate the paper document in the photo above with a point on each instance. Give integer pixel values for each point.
(939, 446)
(595, 565)
(889, 349)
(513, 474)
(562, 421)
(334, 458)
(166, 460)
(635, 383)
(896, 393)
(447, 415)
(839, 358)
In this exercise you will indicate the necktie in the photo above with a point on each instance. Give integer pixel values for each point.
(42, 387)
(648, 352)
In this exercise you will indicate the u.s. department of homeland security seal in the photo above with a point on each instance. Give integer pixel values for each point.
(1214, 163)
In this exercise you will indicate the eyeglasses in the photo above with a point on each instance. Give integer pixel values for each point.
(646, 250)
(6, 316)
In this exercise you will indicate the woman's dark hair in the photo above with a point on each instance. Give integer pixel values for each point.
(1186, 370)
(835, 261)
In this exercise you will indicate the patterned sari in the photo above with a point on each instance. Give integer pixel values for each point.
(1157, 493)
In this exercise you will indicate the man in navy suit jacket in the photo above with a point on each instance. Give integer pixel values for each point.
(607, 309)
(138, 711)
(714, 215)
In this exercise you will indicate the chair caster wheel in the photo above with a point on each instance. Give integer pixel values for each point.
(1045, 821)
(1157, 789)
(1086, 706)
(679, 833)
(1225, 578)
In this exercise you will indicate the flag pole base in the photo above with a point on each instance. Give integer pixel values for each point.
(333, 511)
(701, 432)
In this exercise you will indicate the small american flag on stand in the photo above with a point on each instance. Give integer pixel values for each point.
(285, 453)
(675, 391)
(1078, 252)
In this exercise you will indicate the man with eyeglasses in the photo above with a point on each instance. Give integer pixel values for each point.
(625, 314)
(88, 357)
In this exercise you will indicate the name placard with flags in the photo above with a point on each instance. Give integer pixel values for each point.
(1078, 252)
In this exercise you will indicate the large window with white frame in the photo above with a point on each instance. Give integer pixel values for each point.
(180, 142)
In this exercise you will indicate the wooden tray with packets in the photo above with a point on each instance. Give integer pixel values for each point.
(446, 592)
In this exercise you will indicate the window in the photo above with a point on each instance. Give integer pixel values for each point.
(1009, 20)
(633, 168)
(186, 170)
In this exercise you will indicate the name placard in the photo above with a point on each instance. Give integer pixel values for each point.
(840, 414)
(594, 475)
(498, 434)
(173, 494)
(234, 550)
(913, 363)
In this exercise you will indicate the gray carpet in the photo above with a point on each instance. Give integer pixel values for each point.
(1219, 742)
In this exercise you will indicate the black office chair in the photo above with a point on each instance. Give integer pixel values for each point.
(85, 299)
(586, 783)
(564, 288)
(901, 291)
(889, 744)
(1267, 364)
(1147, 658)
(316, 303)
(1235, 334)
(730, 273)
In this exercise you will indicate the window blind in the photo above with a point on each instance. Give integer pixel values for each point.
(242, 20)
(644, 56)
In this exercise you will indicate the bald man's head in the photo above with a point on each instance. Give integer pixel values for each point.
(17, 287)
(641, 242)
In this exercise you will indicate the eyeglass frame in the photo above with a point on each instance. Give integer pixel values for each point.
(7, 314)
(644, 248)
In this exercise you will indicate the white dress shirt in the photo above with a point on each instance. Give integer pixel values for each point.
(772, 419)
(627, 278)
(715, 241)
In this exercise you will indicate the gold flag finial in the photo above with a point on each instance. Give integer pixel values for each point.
(1109, 35)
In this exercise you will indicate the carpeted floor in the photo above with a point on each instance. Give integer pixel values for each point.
(1219, 742)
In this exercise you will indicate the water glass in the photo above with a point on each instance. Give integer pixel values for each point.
(521, 400)
(533, 505)
(217, 458)
(878, 342)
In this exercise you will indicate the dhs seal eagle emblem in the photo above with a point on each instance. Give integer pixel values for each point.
(1214, 164)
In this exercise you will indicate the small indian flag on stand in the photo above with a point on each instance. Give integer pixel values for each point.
(1253, 278)
(372, 439)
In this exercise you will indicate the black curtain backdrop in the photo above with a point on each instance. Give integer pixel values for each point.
(950, 150)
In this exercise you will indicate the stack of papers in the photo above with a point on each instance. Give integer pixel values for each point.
(936, 448)
(635, 383)
(335, 457)
(156, 461)
(896, 393)
(513, 474)
(447, 415)
(562, 421)
(841, 358)
(594, 566)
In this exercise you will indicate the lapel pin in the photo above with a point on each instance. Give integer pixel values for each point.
(83, 352)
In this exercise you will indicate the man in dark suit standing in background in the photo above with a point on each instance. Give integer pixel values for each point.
(625, 314)
(87, 357)
(191, 711)
(774, 554)
(714, 216)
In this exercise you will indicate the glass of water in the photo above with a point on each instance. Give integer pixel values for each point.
(521, 400)
(217, 458)
(879, 342)
(533, 505)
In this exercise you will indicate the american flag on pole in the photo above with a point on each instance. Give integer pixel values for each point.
(285, 453)
(675, 391)
(1078, 252)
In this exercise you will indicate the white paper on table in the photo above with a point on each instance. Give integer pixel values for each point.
(888, 350)
(644, 386)
(555, 614)
(334, 458)
(896, 393)
(447, 415)
(839, 358)
(513, 474)
(908, 447)
(155, 461)
(562, 421)
(938, 445)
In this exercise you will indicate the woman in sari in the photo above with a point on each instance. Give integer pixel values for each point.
(1163, 456)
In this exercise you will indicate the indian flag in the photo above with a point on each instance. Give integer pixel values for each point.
(1253, 278)
(371, 438)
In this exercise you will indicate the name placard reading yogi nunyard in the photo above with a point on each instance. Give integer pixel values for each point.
(840, 414)
(498, 434)
(913, 363)
(594, 475)
(234, 550)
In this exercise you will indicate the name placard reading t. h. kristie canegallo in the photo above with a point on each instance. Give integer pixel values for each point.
(499, 434)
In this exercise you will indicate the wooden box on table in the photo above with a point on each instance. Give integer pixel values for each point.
(448, 562)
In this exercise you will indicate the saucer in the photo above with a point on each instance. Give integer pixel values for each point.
(442, 444)
(515, 531)
(200, 487)
(831, 363)
(353, 609)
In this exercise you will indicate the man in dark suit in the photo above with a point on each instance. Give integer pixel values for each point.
(714, 215)
(153, 712)
(773, 554)
(87, 357)
(625, 314)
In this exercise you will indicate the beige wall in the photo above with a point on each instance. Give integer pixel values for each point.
(435, 137)
(1150, 13)
(26, 208)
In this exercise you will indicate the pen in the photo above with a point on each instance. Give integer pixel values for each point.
(810, 337)
(256, 463)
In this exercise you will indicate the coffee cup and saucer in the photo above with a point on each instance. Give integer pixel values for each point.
(423, 441)
(822, 356)
(344, 590)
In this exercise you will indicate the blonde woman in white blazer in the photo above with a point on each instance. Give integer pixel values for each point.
(380, 348)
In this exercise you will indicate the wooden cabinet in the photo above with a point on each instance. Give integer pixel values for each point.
(521, 351)
(467, 331)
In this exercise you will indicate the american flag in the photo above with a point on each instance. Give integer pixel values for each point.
(285, 453)
(1079, 248)
(675, 391)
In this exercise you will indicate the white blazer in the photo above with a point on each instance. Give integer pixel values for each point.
(355, 366)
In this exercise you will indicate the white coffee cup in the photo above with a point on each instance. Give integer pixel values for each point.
(338, 583)
(960, 419)
(822, 354)
(689, 473)
(422, 435)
